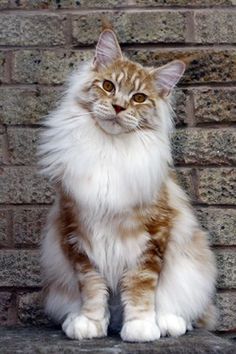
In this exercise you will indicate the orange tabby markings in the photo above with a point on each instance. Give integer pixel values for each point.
(121, 227)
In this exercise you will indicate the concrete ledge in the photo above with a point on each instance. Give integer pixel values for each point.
(52, 341)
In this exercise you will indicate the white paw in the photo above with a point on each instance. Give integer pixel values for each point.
(171, 325)
(80, 327)
(140, 331)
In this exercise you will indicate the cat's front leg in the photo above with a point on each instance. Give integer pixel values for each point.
(138, 297)
(93, 319)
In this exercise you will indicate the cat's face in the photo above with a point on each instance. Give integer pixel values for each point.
(125, 97)
(125, 94)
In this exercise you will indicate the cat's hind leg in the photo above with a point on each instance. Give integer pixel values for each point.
(60, 302)
(186, 285)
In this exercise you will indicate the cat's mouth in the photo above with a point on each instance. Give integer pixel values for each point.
(111, 125)
(112, 120)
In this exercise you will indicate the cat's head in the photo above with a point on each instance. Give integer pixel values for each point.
(126, 95)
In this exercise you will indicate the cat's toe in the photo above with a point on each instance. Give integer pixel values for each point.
(171, 325)
(81, 327)
(140, 331)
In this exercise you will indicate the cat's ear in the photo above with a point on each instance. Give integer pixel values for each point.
(107, 49)
(167, 76)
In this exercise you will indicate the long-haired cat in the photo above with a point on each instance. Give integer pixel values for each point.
(121, 245)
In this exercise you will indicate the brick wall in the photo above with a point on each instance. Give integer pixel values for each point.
(40, 43)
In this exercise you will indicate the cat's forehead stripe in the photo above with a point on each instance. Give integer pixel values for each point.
(142, 87)
(137, 84)
(129, 77)
(125, 74)
(113, 76)
(120, 77)
(133, 78)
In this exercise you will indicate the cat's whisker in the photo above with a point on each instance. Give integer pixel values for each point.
(82, 114)
(78, 116)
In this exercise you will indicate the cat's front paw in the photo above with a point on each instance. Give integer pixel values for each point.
(81, 327)
(140, 331)
(171, 325)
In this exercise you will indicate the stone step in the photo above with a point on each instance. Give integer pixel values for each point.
(52, 341)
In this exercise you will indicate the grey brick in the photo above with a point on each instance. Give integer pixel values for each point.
(1, 149)
(46, 67)
(5, 307)
(221, 224)
(23, 145)
(28, 223)
(4, 226)
(164, 3)
(19, 268)
(4, 4)
(2, 67)
(226, 303)
(32, 29)
(85, 4)
(215, 105)
(23, 185)
(180, 102)
(217, 186)
(207, 65)
(132, 27)
(180, 2)
(31, 4)
(30, 309)
(205, 146)
(96, 3)
(184, 177)
(27, 105)
(226, 264)
(53, 67)
(216, 26)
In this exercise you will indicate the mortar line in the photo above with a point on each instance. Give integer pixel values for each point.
(127, 8)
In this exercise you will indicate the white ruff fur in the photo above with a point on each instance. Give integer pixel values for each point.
(107, 176)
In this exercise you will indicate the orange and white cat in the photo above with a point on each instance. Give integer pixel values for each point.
(121, 245)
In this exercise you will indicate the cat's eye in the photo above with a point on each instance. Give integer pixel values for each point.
(108, 86)
(139, 97)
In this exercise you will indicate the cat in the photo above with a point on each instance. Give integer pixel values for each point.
(121, 246)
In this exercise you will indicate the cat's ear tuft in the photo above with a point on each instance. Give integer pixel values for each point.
(167, 76)
(108, 49)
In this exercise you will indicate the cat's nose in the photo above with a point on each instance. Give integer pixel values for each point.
(117, 108)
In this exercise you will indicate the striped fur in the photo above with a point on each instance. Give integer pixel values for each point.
(121, 245)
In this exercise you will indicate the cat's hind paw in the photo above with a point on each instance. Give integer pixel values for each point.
(81, 327)
(171, 325)
(140, 331)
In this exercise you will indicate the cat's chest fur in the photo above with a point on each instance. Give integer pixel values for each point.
(114, 174)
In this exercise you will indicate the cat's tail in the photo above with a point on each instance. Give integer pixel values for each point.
(209, 318)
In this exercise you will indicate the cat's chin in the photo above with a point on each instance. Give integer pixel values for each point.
(111, 127)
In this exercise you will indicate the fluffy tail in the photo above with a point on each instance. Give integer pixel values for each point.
(209, 319)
